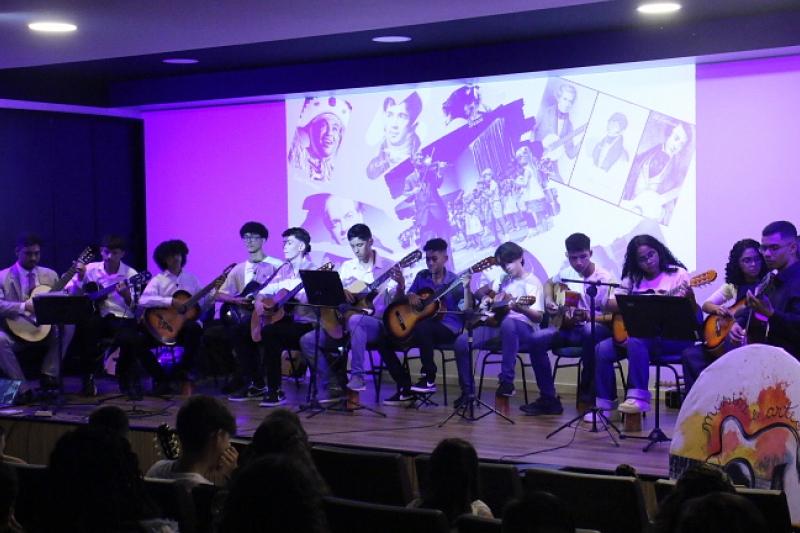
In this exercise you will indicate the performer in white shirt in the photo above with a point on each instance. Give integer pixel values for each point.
(115, 311)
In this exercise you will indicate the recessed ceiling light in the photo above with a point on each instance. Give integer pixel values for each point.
(391, 39)
(52, 27)
(658, 8)
(180, 61)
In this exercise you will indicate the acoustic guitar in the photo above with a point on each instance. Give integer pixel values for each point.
(365, 293)
(496, 309)
(233, 314)
(167, 443)
(24, 326)
(165, 323)
(97, 295)
(551, 153)
(620, 334)
(401, 317)
(271, 309)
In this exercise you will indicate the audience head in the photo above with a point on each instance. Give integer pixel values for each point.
(538, 512)
(279, 432)
(111, 418)
(698, 480)
(204, 426)
(720, 512)
(452, 478)
(278, 493)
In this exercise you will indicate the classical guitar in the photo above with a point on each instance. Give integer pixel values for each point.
(232, 314)
(550, 151)
(497, 309)
(620, 334)
(165, 323)
(365, 293)
(24, 326)
(97, 294)
(401, 317)
(271, 309)
(167, 442)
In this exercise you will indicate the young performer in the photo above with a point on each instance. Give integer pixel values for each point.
(115, 311)
(780, 304)
(285, 334)
(570, 324)
(515, 333)
(16, 284)
(743, 272)
(366, 266)
(170, 256)
(649, 266)
(257, 268)
(431, 332)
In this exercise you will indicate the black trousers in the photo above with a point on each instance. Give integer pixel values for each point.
(136, 343)
(282, 335)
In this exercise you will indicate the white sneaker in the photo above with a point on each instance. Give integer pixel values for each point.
(610, 415)
(634, 406)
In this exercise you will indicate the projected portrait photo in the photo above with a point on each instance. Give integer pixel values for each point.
(422, 201)
(464, 105)
(659, 169)
(560, 125)
(400, 139)
(318, 135)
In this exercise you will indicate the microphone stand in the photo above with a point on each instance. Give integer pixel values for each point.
(597, 414)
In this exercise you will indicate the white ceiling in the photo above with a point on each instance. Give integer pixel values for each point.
(120, 28)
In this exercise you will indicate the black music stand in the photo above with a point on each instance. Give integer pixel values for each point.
(652, 316)
(59, 310)
(324, 290)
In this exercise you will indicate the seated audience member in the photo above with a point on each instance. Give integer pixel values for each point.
(720, 512)
(3, 456)
(205, 427)
(698, 480)
(94, 485)
(279, 432)
(453, 481)
(9, 489)
(538, 512)
(111, 418)
(277, 494)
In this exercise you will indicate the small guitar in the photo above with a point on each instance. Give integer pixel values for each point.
(167, 442)
(497, 309)
(165, 323)
(620, 334)
(232, 314)
(401, 317)
(97, 295)
(271, 310)
(550, 151)
(365, 293)
(24, 326)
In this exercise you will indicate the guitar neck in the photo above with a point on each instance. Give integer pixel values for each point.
(564, 140)
(63, 280)
(200, 294)
(105, 291)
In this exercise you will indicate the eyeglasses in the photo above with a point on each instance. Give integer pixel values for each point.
(772, 247)
(251, 238)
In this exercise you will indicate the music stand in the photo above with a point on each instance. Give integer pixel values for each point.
(59, 310)
(652, 316)
(324, 290)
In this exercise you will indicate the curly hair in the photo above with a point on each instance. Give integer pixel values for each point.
(733, 272)
(167, 249)
(631, 268)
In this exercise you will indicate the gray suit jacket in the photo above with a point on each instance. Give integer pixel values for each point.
(11, 287)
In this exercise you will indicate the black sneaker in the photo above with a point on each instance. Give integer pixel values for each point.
(273, 399)
(505, 389)
(400, 398)
(251, 392)
(543, 406)
(462, 400)
(425, 384)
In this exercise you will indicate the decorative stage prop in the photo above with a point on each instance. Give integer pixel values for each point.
(742, 414)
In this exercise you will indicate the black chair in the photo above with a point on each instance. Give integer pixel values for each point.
(476, 524)
(175, 502)
(613, 504)
(376, 477)
(494, 357)
(206, 506)
(573, 353)
(32, 479)
(498, 483)
(348, 516)
(443, 360)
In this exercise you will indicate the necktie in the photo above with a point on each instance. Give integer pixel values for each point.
(31, 282)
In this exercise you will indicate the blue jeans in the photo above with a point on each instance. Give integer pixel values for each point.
(512, 337)
(577, 336)
(638, 352)
(324, 369)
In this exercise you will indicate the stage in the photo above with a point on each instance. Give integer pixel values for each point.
(407, 430)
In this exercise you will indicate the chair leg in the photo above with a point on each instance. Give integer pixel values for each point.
(444, 377)
(483, 371)
(524, 379)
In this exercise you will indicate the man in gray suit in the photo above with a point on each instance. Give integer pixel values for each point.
(16, 284)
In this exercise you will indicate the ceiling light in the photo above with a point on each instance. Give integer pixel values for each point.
(391, 39)
(180, 61)
(658, 8)
(52, 27)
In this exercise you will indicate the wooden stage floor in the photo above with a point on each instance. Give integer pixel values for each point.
(407, 430)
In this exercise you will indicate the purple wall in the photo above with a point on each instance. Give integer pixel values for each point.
(747, 145)
(208, 170)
